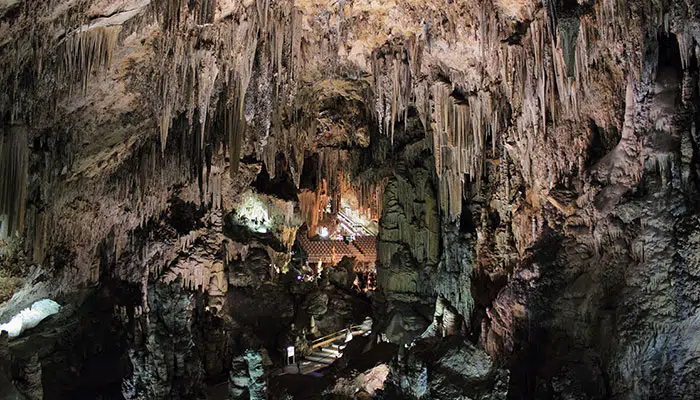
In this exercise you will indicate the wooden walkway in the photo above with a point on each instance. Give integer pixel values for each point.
(325, 350)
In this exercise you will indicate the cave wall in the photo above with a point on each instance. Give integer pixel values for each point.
(537, 161)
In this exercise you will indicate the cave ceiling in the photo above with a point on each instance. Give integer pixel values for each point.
(521, 161)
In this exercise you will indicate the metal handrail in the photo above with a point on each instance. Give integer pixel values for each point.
(355, 225)
(335, 336)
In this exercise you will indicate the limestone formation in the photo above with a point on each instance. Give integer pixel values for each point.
(530, 169)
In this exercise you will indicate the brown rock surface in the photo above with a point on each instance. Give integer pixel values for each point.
(534, 164)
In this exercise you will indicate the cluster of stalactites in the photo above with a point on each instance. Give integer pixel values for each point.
(335, 181)
(142, 181)
(172, 13)
(541, 82)
(332, 164)
(14, 162)
(289, 130)
(393, 71)
(228, 68)
(51, 49)
(191, 76)
(290, 143)
(187, 78)
(460, 133)
(312, 206)
(85, 52)
(370, 196)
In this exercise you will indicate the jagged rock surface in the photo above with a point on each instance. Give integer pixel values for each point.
(247, 379)
(449, 369)
(165, 365)
(535, 164)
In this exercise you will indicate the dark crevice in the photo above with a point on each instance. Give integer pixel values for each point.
(281, 185)
(184, 216)
(310, 172)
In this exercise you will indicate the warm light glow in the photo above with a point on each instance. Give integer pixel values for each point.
(355, 217)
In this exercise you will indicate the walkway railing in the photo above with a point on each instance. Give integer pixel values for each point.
(322, 356)
(325, 340)
(356, 227)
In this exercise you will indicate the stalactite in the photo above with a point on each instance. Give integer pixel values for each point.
(235, 126)
(395, 85)
(298, 153)
(393, 68)
(270, 156)
(205, 11)
(14, 164)
(85, 52)
(613, 19)
(312, 205)
(459, 138)
(208, 73)
(370, 195)
(685, 43)
(333, 164)
(212, 187)
(171, 13)
(235, 250)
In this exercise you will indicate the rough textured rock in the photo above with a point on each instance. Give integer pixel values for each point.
(165, 365)
(316, 303)
(449, 369)
(368, 383)
(534, 164)
(247, 379)
(342, 275)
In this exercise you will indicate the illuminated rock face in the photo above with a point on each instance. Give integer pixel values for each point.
(247, 380)
(30, 317)
(532, 164)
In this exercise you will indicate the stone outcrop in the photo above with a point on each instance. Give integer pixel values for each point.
(368, 383)
(445, 369)
(164, 361)
(247, 379)
(533, 164)
(408, 251)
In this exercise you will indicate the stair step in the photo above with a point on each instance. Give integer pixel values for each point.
(321, 359)
(313, 367)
